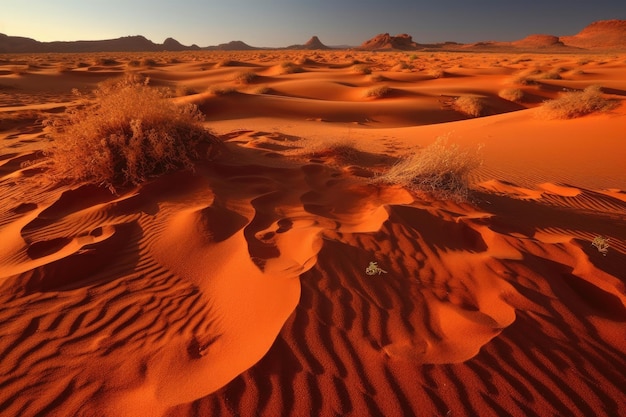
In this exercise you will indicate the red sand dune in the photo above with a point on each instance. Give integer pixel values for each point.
(240, 288)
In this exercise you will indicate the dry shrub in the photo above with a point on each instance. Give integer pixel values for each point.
(362, 69)
(149, 62)
(378, 92)
(576, 104)
(512, 94)
(440, 168)
(470, 106)
(263, 90)
(221, 90)
(550, 75)
(342, 151)
(128, 134)
(105, 62)
(437, 73)
(288, 67)
(245, 77)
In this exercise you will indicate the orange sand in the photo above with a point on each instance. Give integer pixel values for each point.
(240, 289)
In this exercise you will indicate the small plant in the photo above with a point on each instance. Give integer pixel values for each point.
(220, 90)
(342, 151)
(362, 69)
(470, 106)
(602, 244)
(148, 62)
(263, 90)
(374, 269)
(245, 77)
(106, 62)
(576, 104)
(512, 94)
(378, 92)
(288, 67)
(437, 73)
(129, 134)
(440, 168)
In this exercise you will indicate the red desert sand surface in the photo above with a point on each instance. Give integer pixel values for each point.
(240, 288)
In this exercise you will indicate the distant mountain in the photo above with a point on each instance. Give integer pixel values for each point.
(231, 46)
(312, 44)
(601, 35)
(385, 41)
(15, 44)
(604, 34)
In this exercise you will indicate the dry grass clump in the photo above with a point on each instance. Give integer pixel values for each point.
(128, 134)
(440, 168)
(263, 89)
(221, 90)
(437, 73)
(245, 77)
(288, 67)
(512, 94)
(362, 69)
(576, 104)
(378, 91)
(106, 62)
(341, 151)
(470, 106)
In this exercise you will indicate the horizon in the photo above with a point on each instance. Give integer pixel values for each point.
(280, 23)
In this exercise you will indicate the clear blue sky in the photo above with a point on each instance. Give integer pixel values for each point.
(285, 22)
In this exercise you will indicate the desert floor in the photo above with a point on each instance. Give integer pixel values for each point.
(240, 288)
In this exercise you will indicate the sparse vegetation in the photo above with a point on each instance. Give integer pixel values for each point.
(128, 134)
(441, 169)
(263, 90)
(512, 94)
(220, 90)
(576, 104)
(378, 91)
(437, 73)
(245, 77)
(105, 62)
(362, 69)
(289, 67)
(470, 106)
(342, 151)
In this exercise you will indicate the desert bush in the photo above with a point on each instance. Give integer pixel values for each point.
(245, 77)
(106, 62)
(440, 168)
(182, 90)
(550, 75)
(469, 105)
(576, 104)
(378, 91)
(437, 73)
(342, 151)
(512, 94)
(221, 90)
(362, 69)
(288, 67)
(263, 90)
(129, 133)
(149, 62)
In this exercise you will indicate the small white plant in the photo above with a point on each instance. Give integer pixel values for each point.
(374, 269)
(602, 244)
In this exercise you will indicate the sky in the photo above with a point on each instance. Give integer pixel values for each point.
(277, 23)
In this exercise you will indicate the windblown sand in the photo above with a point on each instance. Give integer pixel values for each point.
(240, 288)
